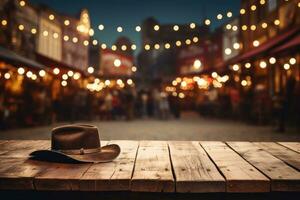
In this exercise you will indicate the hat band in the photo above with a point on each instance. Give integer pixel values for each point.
(79, 151)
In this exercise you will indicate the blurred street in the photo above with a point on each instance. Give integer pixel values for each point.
(189, 127)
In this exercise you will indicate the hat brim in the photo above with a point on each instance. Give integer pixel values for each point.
(107, 154)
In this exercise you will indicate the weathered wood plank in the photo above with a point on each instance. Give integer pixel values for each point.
(153, 172)
(240, 175)
(112, 176)
(61, 176)
(281, 152)
(22, 148)
(194, 171)
(283, 177)
(295, 146)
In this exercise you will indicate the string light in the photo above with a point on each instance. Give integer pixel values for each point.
(90, 69)
(95, 42)
(76, 76)
(117, 62)
(123, 47)
(227, 51)
(229, 14)
(235, 67)
(277, 22)
(175, 27)
(21, 70)
(192, 25)
(272, 60)
(75, 39)
(253, 27)
(85, 43)
(195, 39)
(242, 11)
(138, 28)
(219, 16)
(207, 22)
(114, 47)
(286, 66)
(255, 43)
(21, 27)
(156, 46)
(66, 38)
(120, 29)
(236, 45)
(263, 64)
(4, 22)
(22, 3)
(129, 82)
(133, 68)
(167, 45)
(55, 35)
(103, 46)
(29, 74)
(147, 47)
(101, 27)
(64, 83)
(65, 76)
(262, 2)
(56, 71)
(248, 65)
(228, 26)
(178, 43)
(42, 73)
(264, 25)
(234, 28)
(244, 27)
(91, 32)
(292, 61)
(51, 17)
(33, 31)
(67, 22)
(253, 7)
(70, 73)
(7, 75)
(156, 27)
(133, 47)
(45, 33)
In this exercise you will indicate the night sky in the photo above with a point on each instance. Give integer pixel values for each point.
(129, 13)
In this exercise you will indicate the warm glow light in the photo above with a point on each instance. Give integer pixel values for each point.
(176, 28)
(156, 46)
(103, 46)
(33, 77)
(181, 95)
(292, 61)
(219, 16)
(4, 22)
(67, 22)
(236, 45)
(277, 22)
(156, 27)
(95, 42)
(229, 14)
(253, 27)
(55, 35)
(272, 60)
(56, 71)
(195, 39)
(244, 27)
(117, 62)
(253, 7)
(75, 39)
(264, 25)
(242, 11)
(77, 75)
(91, 32)
(262, 2)
(133, 68)
(197, 64)
(66, 38)
(188, 41)
(7, 75)
(51, 17)
(234, 28)
(21, 27)
(244, 83)
(207, 22)
(107, 82)
(42, 73)
(119, 29)
(214, 74)
(29, 74)
(227, 51)
(286, 66)
(114, 47)
(33, 31)
(228, 26)
(123, 47)
(178, 43)
(263, 64)
(101, 27)
(64, 83)
(90, 69)
(255, 43)
(22, 3)
(248, 65)
(70, 73)
(147, 47)
(133, 47)
(138, 29)
(192, 25)
(65, 76)
(129, 82)
(21, 70)
(235, 67)
(85, 42)
(167, 46)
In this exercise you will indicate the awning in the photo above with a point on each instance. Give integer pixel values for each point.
(265, 47)
(15, 59)
(291, 44)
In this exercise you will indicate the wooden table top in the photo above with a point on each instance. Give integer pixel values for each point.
(159, 166)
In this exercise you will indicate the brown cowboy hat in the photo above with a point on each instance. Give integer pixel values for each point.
(77, 143)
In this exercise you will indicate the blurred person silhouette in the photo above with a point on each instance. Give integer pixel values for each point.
(164, 105)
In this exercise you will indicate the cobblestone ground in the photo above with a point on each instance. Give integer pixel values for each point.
(189, 127)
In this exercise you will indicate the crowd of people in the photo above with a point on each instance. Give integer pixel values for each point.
(38, 107)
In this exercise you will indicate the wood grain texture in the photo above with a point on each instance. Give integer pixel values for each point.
(194, 171)
(283, 177)
(240, 175)
(153, 172)
(295, 146)
(288, 156)
(115, 175)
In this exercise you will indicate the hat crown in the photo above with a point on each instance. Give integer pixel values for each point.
(75, 137)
